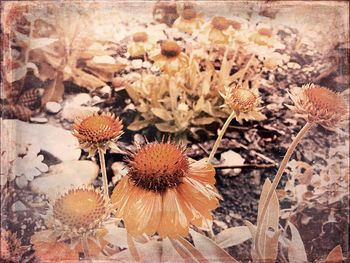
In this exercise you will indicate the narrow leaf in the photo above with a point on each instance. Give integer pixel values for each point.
(233, 236)
(296, 249)
(335, 256)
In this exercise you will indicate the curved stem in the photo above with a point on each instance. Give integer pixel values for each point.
(221, 134)
(104, 172)
(245, 69)
(277, 178)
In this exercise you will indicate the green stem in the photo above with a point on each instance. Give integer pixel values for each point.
(104, 172)
(220, 135)
(276, 180)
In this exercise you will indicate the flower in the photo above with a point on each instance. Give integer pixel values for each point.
(320, 105)
(171, 59)
(140, 45)
(98, 131)
(219, 30)
(11, 249)
(164, 191)
(80, 210)
(189, 21)
(244, 102)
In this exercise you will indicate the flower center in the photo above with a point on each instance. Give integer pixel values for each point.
(220, 23)
(80, 208)
(265, 32)
(242, 99)
(158, 166)
(140, 37)
(235, 24)
(325, 99)
(189, 13)
(170, 48)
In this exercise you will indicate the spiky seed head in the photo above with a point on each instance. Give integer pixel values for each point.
(170, 49)
(97, 131)
(158, 166)
(10, 247)
(80, 210)
(321, 105)
(241, 100)
(189, 14)
(264, 31)
(220, 23)
(140, 37)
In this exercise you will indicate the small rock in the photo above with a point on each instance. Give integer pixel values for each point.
(154, 68)
(18, 206)
(136, 64)
(39, 120)
(106, 91)
(21, 181)
(80, 99)
(231, 158)
(105, 59)
(117, 82)
(146, 64)
(71, 112)
(53, 107)
(220, 224)
(293, 65)
(64, 176)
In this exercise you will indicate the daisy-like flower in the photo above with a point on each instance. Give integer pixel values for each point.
(320, 105)
(80, 211)
(244, 102)
(171, 59)
(98, 131)
(164, 192)
(11, 249)
(140, 45)
(219, 30)
(189, 21)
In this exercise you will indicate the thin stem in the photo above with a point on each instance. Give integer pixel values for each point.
(277, 178)
(221, 134)
(104, 172)
(245, 69)
(85, 245)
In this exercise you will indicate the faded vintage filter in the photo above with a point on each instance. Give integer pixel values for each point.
(174, 131)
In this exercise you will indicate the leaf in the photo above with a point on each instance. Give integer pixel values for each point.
(54, 91)
(335, 256)
(211, 251)
(117, 236)
(233, 236)
(268, 240)
(138, 125)
(162, 114)
(296, 249)
(199, 105)
(41, 42)
(169, 253)
(203, 121)
(86, 80)
(165, 127)
(186, 250)
(20, 72)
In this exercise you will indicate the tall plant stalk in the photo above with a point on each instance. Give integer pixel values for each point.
(220, 135)
(104, 172)
(277, 179)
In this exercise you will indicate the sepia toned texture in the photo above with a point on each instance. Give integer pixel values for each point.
(174, 131)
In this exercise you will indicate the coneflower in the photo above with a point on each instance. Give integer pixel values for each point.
(11, 249)
(189, 21)
(171, 58)
(164, 192)
(98, 132)
(319, 105)
(140, 45)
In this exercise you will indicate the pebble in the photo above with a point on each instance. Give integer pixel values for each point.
(119, 170)
(136, 64)
(53, 107)
(39, 120)
(154, 68)
(95, 99)
(293, 65)
(146, 64)
(18, 206)
(117, 82)
(22, 182)
(80, 99)
(106, 91)
(71, 112)
(64, 176)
